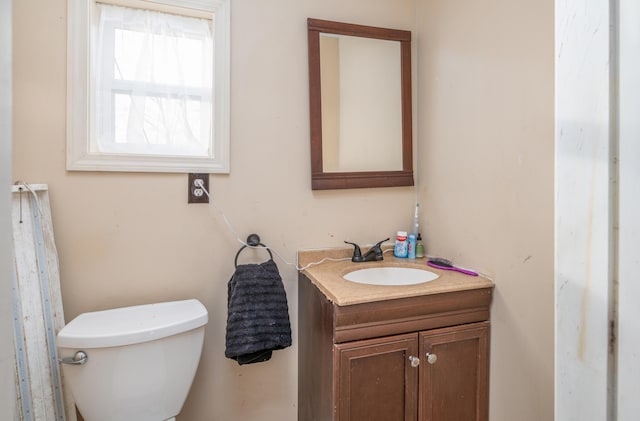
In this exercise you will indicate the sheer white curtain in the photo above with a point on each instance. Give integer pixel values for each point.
(153, 78)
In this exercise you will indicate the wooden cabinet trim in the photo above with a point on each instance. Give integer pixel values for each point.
(382, 318)
(412, 306)
(393, 327)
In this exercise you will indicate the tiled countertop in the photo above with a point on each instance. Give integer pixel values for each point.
(327, 276)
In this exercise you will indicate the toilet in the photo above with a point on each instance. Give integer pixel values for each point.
(133, 363)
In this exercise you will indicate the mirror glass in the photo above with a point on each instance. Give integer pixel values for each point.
(360, 103)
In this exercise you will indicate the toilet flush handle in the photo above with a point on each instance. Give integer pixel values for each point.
(78, 358)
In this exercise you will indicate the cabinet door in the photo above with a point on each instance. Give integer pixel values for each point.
(377, 379)
(454, 378)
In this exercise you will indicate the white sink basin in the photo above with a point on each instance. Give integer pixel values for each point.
(390, 276)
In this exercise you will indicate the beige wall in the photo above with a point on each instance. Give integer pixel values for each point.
(131, 238)
(486, 152)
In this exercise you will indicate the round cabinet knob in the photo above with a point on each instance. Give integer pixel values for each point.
(415, 361)
(432, 358)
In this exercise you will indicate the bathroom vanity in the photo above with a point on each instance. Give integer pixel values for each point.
(415, 352)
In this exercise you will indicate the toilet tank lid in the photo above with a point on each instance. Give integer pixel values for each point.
(130, 325)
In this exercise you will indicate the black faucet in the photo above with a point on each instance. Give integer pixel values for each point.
(374, 253)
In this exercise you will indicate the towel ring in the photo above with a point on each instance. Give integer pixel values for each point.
(253, 240)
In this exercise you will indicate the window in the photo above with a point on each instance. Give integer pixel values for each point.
(148, 85)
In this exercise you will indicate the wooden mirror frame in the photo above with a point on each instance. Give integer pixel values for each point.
(321, 180)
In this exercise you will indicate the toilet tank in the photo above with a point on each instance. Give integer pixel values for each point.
(141, 360)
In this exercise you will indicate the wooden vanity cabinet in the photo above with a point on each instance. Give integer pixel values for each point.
(419, 358)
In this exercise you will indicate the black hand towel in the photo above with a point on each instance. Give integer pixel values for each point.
(258, 314)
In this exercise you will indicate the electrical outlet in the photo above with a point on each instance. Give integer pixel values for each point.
(195, 192)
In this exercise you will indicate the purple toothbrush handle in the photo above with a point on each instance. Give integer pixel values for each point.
(465, 271)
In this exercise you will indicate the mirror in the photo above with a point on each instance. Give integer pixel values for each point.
(360, 106)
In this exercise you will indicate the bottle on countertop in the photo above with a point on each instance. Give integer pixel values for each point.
(411, 247)
(401, 248)
(419, 247)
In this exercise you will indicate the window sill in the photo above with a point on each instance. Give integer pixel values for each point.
(160, 164)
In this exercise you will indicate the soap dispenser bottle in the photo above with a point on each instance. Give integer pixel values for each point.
(419, 247)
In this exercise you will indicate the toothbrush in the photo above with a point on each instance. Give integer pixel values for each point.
(440, 263)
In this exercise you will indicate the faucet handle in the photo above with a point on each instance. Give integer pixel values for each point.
(357, 253)
(382, 241)
(377, 247)
(375, 253)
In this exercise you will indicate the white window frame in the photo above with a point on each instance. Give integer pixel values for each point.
(79, 96)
